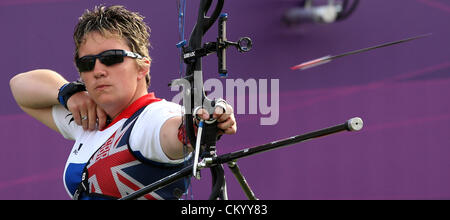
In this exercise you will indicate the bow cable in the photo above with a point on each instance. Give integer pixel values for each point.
(181, 5)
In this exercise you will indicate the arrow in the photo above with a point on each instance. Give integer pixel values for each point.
(327, 59)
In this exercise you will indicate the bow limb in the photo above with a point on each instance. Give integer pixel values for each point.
(194, 73)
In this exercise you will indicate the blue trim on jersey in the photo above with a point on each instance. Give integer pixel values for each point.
(73, 176)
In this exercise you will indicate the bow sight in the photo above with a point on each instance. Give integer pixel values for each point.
(244, 44)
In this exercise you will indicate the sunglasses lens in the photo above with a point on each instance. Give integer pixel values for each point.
(85, 64)
(109, 60)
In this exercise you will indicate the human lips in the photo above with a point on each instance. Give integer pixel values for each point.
(102, 86)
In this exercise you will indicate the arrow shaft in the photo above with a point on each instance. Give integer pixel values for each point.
(378, 46)
(323, 60)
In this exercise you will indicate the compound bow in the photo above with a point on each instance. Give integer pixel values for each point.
(195, 99)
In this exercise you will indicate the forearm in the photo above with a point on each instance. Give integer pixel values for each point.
(37, 89)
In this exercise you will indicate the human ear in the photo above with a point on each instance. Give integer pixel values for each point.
(144, 67)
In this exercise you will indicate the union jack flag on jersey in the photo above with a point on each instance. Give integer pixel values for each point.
(114, 171)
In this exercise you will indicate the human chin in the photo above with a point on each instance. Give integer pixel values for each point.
(105, 99)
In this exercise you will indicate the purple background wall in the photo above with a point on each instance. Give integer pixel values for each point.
(401, 93)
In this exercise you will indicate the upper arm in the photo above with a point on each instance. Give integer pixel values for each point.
(170, 144)
(35, 92)
(155, 134)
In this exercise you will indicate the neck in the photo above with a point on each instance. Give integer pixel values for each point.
(114, 110)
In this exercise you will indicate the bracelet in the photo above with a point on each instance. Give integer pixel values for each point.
(66, 91)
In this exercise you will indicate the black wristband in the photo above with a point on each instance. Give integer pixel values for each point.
(69, 89)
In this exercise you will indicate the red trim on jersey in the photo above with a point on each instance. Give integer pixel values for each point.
(138, 104)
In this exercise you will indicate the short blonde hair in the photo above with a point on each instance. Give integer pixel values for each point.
(115, 21)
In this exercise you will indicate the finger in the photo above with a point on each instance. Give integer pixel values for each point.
(84, 119)
(230, 126)
(226, 124)
(229, 110)
(74, 108)
(75, 113)
(92, 117)
(203, 114)
(76, 116)
(228, 130)
(223, 118)
(102, 117)
(218, 113)
(225, 115)
(231, 130)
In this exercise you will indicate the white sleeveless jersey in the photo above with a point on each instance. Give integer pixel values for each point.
(144, 139)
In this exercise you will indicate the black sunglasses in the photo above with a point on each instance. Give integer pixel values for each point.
(109, 58)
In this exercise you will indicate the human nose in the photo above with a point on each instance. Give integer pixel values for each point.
(99, 69)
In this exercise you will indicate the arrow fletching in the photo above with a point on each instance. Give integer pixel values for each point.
(312, 63)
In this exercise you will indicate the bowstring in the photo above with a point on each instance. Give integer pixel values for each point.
(181, 29)
(181, 6)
